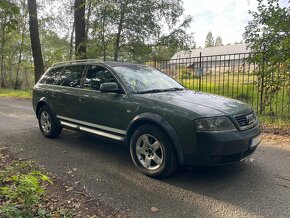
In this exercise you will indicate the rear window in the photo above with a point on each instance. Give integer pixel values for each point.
(51, 76)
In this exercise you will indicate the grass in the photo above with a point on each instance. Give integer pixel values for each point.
(20, 94)
(280, 122)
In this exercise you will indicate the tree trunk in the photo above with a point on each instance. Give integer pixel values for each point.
(118, 37)
(80, 29)
(103, 33)
(71, 41)
(35, 42)
(3, 23)
(16, 86)
(88, 18)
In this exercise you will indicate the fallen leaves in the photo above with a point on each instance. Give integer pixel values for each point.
(154, 209)
(69, 189)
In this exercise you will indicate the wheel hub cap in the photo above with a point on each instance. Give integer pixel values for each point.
(45, 122)
(149, 152)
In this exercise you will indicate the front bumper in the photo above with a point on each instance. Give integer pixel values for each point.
(215, 148)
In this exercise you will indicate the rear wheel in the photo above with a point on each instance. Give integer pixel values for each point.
(48, 124)
(152, 152)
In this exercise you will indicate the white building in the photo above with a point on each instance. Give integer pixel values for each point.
(213, 59)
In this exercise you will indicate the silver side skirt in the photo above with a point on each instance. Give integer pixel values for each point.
(93, 131)
(123, 132)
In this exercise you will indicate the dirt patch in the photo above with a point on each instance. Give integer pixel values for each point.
(63, 196)
(276, 129)
(277, 141)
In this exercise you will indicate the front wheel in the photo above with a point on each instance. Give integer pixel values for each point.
(48, 124)
(152, 151)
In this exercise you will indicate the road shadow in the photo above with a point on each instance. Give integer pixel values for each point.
(252, 185)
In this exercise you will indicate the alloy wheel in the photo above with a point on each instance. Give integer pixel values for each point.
(149, 152)
(45, 121)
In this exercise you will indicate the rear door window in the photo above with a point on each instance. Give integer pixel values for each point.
(51, 76)
(71, 76)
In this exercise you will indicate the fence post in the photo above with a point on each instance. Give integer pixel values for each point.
(26, 80)
(200, 72)
(262, 82)
(155, 62)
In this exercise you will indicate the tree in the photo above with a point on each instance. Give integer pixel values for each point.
(8, 20)
(209, 41)
(218, 41)
(21, 46)
(55, 49)
(35, 42)
(132, 29)
(177, 39)
(268, 35)
(11, 10)
(80, 29)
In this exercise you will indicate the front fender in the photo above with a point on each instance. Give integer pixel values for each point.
(163, 124)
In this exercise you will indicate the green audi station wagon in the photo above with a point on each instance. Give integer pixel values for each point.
(164, 124)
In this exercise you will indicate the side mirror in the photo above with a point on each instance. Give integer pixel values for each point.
(109, 87)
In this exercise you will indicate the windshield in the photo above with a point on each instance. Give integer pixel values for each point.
(144, 79)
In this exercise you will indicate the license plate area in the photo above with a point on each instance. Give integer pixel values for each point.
(255, 141)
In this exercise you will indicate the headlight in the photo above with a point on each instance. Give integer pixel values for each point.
(214, 124)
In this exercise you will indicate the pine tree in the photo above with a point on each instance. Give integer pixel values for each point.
(218, 41)
(209, 41)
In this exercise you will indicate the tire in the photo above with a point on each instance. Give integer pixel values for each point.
(49, 126)
(152, 152)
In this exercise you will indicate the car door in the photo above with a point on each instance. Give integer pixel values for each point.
(65, 96)
(105, 111)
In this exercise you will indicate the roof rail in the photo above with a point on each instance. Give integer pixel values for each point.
(78, 61)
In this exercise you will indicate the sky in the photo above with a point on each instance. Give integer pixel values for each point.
(225, 18)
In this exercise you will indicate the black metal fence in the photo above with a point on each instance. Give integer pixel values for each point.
(230, 75)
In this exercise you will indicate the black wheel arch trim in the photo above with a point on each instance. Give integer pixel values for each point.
(165, 126)
(44, 101)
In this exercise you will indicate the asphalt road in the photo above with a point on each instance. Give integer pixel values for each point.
(257, 188)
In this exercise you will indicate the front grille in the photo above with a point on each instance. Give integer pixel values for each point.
(246, 121)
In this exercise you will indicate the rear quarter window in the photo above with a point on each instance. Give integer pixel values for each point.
(51, 76)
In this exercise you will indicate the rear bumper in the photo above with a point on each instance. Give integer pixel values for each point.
(215, 148)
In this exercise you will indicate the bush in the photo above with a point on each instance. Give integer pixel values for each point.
(21, 190)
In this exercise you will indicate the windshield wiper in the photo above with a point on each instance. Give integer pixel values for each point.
(160, 90)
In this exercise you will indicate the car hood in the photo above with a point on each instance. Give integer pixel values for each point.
(202, 103)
